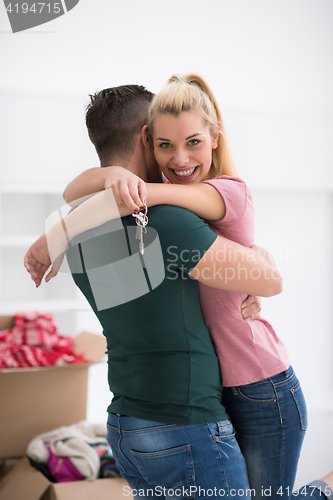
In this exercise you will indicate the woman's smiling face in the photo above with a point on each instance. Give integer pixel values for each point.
(183, 147)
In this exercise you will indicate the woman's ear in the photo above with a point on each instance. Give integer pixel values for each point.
(145, 136)
(215, 138)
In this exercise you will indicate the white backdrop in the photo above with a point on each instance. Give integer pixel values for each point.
(270, 65)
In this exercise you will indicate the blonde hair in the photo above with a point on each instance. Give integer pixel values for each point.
(191, 93)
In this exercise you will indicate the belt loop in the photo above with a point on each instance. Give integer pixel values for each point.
(234, 391)
(286, 373)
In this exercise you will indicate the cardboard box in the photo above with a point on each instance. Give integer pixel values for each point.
(6, 466)
(37, 400)
(24, 482)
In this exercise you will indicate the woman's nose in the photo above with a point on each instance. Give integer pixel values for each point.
(181, 158)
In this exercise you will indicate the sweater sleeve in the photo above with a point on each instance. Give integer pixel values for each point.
(238, 222)
(234, 194)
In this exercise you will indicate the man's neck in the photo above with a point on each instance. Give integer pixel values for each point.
(135, 164)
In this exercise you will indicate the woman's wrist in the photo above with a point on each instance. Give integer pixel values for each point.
(57, 240)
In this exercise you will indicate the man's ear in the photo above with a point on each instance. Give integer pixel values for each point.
(145, 136)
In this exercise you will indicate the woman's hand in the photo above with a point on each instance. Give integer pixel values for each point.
(46, 251)
(127, 188)
(251, 307)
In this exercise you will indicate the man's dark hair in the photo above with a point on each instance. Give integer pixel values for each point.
(114, 117)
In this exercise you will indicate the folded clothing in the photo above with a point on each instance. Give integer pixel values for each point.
(34, 341)
(108, 466)
(74, 443)
(62, 469)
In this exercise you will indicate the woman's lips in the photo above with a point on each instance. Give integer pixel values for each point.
(184, 173)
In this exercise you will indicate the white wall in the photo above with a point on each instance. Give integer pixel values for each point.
(270, 65)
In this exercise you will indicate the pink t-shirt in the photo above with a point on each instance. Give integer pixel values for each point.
(248, 350)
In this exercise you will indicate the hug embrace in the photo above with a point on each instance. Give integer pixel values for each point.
(205, 402)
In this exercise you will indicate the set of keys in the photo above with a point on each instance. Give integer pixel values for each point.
(141, 221)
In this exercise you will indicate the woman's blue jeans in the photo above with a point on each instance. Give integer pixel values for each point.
(178, 461)
(270, 420)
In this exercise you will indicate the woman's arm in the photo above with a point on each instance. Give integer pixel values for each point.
(49, 248)
(85, 185)
(202, 199)
(127, 188)
(227, 265)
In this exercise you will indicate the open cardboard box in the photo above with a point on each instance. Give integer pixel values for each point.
(37, 400)
(24, 482)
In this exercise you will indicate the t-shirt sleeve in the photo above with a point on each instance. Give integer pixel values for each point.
(184, 237)
(234, 194)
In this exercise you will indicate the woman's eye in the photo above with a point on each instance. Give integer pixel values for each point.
(193, 142)
(165, 145)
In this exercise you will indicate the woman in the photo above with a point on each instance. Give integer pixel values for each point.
(262, 394)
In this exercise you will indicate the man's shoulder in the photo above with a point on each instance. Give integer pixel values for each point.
(162, 211)
(179, 224)
(174, 220)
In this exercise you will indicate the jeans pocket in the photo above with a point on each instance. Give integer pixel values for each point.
(299, 399)
(259, 392)
(171, 469)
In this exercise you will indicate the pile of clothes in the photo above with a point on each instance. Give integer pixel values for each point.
(34, 341)
(73, 453)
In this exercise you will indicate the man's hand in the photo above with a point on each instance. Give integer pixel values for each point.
(251, 307)
(127, 188)
(37, 260)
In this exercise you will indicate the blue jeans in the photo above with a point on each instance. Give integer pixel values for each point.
(178, 461)
(270, 420)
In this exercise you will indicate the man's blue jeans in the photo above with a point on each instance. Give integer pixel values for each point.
(178, 461)
(270, 420)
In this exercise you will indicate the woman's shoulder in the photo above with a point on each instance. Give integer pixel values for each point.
(227, 179)
(236, 195)
(230, 186)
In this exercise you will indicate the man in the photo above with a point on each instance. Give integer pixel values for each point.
(168, 430)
